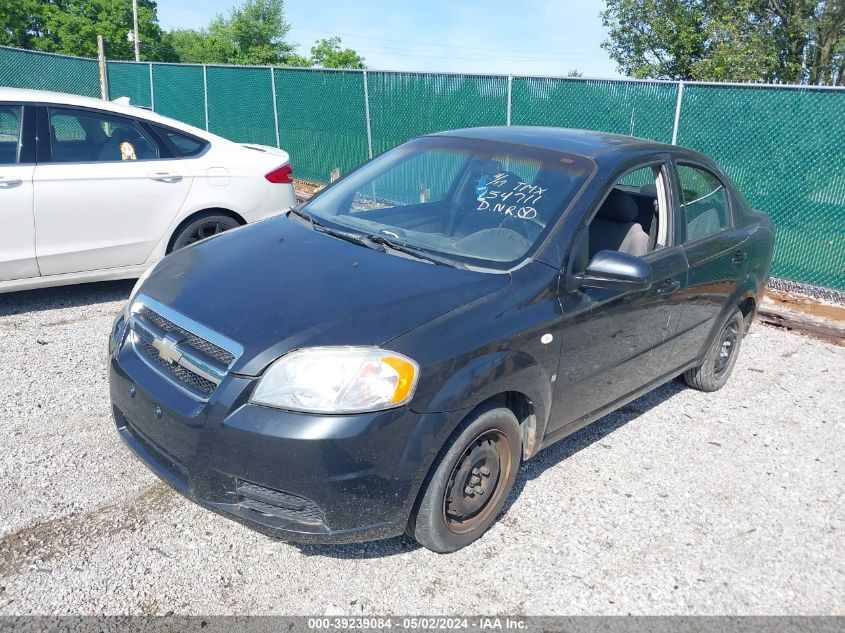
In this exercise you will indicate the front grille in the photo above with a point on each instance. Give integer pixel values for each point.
(168, 342)
(276, 503)
(189, 379)
(224, 357)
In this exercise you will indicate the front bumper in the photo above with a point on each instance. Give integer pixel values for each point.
(301, 477)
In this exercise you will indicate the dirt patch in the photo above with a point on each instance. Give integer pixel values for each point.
(806, 305)
(37, 544)
(307, 188)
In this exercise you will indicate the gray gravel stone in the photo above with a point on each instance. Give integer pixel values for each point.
(681, 502)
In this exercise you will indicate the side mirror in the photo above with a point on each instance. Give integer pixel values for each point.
(613, 270)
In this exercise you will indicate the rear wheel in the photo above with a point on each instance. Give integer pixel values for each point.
(721, 357)
(470, 483)
(202, 226)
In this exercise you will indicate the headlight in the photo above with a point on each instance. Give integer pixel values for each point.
(338, 380)
(127, 311)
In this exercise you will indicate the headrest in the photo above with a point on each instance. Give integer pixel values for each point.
(487, 166)
(125, 134)
(620, 207)
(649, 190)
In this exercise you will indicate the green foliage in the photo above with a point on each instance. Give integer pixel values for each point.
(794, 41)
(70, 27)
(253, 33)
(328, 54)
(297, 61)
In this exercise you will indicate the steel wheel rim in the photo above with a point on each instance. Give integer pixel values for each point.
(206, 230)
(726, 349)
(465, 507)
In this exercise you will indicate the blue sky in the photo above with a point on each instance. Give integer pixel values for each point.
(544, 37)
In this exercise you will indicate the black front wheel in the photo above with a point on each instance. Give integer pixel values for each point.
(200, 228)
(470, 483)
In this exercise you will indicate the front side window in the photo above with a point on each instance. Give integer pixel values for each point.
(632, 219)
(84, 136)
(471, 201)
(705, 202)
(10, 134)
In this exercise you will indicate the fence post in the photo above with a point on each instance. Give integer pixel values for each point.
(510, 98)
(367, 117)
(678, 112)
(275, 107)
(101, 62)
(205, 93)
(152, 90)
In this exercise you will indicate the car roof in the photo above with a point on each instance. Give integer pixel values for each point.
(588, 143)
(25, 95)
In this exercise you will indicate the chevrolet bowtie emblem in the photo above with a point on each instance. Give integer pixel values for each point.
(167, 349)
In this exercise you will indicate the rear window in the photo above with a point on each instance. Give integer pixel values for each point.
(183, 145)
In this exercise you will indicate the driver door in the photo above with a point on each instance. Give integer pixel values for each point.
(615, 341)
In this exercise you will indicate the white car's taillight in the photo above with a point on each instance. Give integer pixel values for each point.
(281, 175)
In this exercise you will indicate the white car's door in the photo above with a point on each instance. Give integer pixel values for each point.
(107, 196)
(17, 230)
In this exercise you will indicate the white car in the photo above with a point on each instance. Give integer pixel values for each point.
(93, 190)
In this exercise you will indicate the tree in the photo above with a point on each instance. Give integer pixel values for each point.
(328, 54)
(71, 27)
(253, 33)
(789, 41)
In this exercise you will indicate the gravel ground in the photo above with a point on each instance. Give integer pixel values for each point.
(682, 502)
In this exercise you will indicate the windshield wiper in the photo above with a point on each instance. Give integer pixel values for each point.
(355, 238)
(303, 214)
(414, 252)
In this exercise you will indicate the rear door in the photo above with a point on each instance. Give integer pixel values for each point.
(17, 165)
(106, 193)
(714, 250)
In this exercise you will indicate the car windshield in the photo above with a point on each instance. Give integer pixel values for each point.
(468, 201)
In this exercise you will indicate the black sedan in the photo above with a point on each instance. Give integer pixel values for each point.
(381, 359)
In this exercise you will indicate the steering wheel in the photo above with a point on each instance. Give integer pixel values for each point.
(528, 227)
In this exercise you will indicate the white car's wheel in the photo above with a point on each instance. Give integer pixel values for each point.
(202, 226)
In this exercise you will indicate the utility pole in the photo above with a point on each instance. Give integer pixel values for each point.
(104, 78)
(135, 29)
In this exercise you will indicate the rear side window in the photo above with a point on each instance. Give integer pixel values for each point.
(86, 136)
(10, 134)
(705, 202)
(183, 145)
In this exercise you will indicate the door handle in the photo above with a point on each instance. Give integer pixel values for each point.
(165, 177)
(668, 287)
(738, 257)
(8, 184)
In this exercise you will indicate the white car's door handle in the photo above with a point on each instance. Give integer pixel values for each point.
(165, 177)
(8, 184)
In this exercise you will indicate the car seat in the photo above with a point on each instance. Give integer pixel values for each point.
(615, 227)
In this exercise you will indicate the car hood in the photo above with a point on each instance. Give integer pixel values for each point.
(277, 285)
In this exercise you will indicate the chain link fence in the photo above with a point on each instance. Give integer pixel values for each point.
(784, 146)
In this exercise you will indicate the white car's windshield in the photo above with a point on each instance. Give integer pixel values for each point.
(478, 202)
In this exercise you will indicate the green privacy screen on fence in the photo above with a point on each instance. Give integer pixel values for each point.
(785, 149)
(403, 106)
(322, 122)
(639, 109)
(179, 92)
(40, 71)
(784, 146)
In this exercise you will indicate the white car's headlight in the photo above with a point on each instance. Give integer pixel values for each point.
(338, 380)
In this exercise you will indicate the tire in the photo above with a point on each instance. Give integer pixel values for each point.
(717, 367)
(488, 447)
(200, 227)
